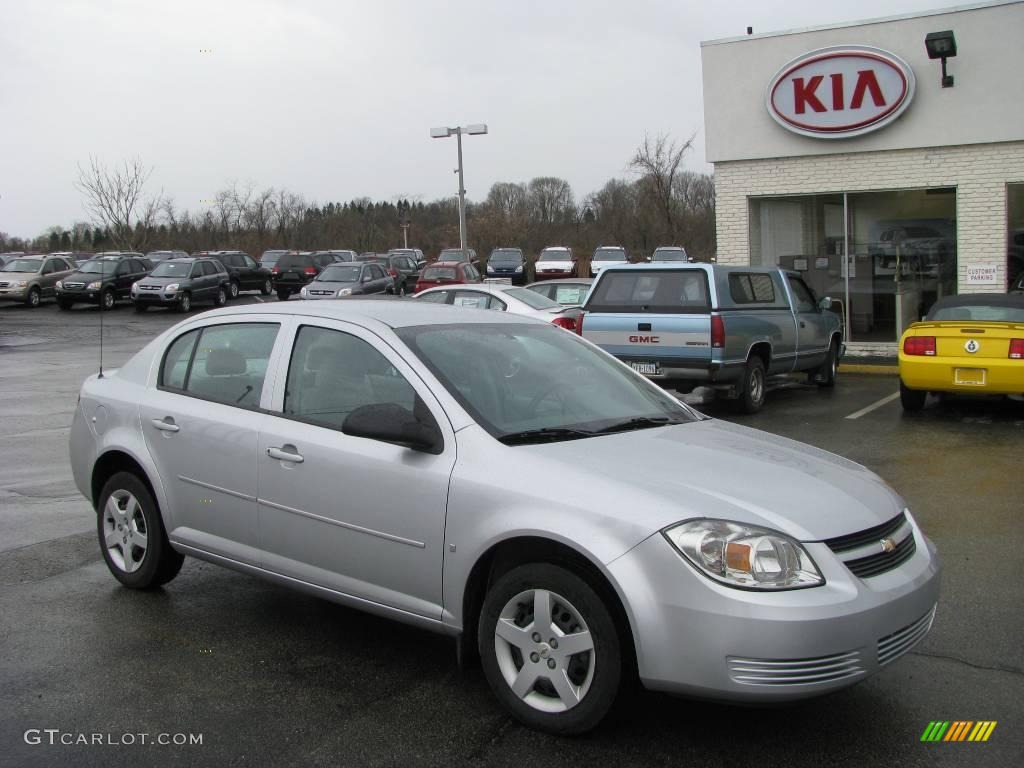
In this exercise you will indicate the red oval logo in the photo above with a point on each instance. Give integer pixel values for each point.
(840, 92)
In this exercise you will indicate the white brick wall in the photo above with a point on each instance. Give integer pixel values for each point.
(980, 173)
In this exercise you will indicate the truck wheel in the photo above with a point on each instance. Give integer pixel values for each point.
(912, 400)
(753, 386)
(827, 374)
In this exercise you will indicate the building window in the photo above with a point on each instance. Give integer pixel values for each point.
(883, 257)
(1015, 236)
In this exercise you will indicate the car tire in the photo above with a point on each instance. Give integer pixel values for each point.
(221, 298)
(401, 290)
(267, 288)
(560, 694)
(752, 390)
(132, 536)
(65, 305)
(234, 289)
(185, 303)
(283, 295)
(140, 308)
(912, 400)
(33, 298)
(827, 374)
(107, 300)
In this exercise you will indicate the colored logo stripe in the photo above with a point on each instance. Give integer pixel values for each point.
(958, 730)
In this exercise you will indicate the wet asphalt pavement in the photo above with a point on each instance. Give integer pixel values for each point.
(271, 677)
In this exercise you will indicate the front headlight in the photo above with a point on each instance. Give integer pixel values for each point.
(135, 287)
(490, 268)
(344, 292)
(745, 556)
(59, 284)
(302, 292)
(172, 287)
(95, 286)
(19, 283)
(519, 269)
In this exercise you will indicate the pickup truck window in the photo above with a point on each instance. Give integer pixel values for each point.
(749, 288)
(802, 294)
(676, 291)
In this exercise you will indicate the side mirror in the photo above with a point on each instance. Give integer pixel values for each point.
(825, 303)
(391, 423)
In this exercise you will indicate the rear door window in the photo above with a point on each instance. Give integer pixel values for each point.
(751, 288)
(227, 364)
(656, 291)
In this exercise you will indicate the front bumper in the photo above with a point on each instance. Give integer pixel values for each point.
(13, 294)
(1002, 376)
(699, 638)
(156, 298)
(83, 296)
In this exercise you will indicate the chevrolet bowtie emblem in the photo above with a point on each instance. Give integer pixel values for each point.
(888, 545)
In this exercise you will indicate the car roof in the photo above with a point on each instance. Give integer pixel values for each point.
(445, 264)
(394, 313)
(1013, 300)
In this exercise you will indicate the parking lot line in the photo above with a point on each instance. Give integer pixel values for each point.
(873, 406)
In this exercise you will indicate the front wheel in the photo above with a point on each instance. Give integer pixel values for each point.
(107, 300)
(550, 649)
(185, 303)
(267, 288)
(912, 400)
(753, 387)
(132, 536)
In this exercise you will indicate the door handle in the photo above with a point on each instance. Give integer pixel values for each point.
(285, 455)
(166, 424)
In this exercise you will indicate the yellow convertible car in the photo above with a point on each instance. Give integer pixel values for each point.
(967, 344)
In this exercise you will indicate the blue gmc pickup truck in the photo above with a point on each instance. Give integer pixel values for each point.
(725, 327)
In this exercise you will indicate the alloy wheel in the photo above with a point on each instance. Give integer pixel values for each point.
(544, 650)
(756, 385)
(234, 290)
(125, 532)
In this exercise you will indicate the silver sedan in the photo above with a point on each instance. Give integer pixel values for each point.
(708, 558)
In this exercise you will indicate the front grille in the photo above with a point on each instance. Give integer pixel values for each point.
(891, 647)
(823, 669)
(5, 285)
(150, 287)
(867, 536)
(873, 565)
(74, 285)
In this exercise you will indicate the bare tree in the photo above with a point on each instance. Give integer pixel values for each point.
(658, 163)
(550, 200)
(508, 199)
(114, 198)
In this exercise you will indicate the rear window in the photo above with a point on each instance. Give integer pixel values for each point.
(981, 313)
(655, 291)
(749, 288)
(439, 273)
(293, 260)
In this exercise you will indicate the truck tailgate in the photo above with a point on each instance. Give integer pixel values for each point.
(682, 340)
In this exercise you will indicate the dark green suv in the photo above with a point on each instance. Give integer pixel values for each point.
(102, 279)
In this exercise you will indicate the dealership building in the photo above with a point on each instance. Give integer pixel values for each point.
(884, 159)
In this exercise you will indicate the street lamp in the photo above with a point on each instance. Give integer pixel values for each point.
(457, 131)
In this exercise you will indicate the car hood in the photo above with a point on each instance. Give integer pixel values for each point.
(331, 285)
(150, 280)
(17, 275)
(716, 469)
(542, 265)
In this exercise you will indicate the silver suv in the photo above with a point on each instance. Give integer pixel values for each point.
(713, 560)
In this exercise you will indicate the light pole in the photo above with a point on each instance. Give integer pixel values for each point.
(457, 131)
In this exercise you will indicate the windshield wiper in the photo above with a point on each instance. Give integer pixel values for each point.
(640, 422)
(545, 434)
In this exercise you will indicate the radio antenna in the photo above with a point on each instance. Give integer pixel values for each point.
(103, 288)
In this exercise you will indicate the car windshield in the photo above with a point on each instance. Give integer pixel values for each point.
(554, 254)
(339, 274)
(172, 269)
(536, 383)
(669, 254)
(99, 267)
(609, 254)
(531, 298)
(439, 273)
(507, 255)
(453, 255)
(980, 313)
(23, 265)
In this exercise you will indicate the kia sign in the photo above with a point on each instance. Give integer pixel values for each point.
(835, 93)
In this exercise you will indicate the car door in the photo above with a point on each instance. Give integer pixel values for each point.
(248, 272)
(355, 515)
(213, 277)
(200, 419)
(812, 340)
(48, 277)
(376, 275)
(137, 269)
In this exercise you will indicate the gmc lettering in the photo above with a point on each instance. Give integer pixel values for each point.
(645, 339)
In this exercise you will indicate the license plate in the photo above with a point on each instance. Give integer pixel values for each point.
(971, 376)
(648, 369)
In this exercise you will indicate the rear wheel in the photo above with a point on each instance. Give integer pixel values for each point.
(753, 388)
(912, 400)
(185, 303)
(282, 295)
(132, 536)
(550, 649)
(267, 288)
(33, 298)
(233, 287)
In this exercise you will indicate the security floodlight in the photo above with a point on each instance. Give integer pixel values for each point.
(476, 130)
(941, 45)
(440, 133)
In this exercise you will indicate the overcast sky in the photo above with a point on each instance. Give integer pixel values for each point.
(335, 99)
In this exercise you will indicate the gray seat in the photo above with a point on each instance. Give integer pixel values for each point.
(340, 388)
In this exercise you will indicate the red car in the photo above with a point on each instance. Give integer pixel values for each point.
(447, 273)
